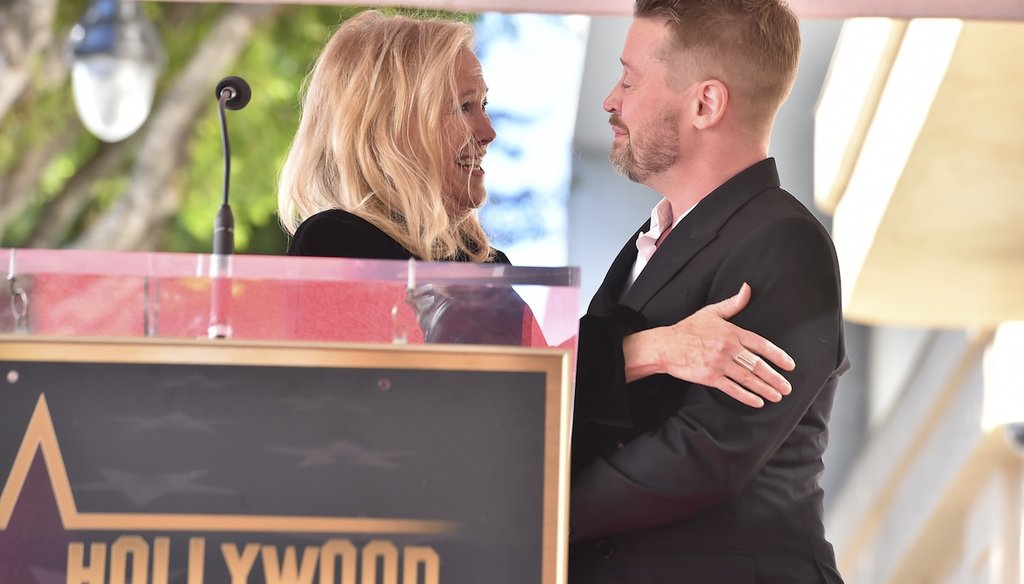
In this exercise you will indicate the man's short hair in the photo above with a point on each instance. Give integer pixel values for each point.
(753, 46)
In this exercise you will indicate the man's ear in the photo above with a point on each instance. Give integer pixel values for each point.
(712, 100)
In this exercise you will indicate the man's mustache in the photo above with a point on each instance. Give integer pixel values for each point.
(615, 121)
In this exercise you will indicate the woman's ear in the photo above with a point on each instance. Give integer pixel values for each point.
(712, 99)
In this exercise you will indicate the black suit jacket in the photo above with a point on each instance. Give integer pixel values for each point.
(678, 483)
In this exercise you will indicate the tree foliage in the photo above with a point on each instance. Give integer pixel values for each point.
(159, 189)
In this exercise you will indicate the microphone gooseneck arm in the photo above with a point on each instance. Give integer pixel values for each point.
(224, 222)
(232, 93)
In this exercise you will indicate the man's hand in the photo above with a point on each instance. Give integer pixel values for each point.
(703, 348)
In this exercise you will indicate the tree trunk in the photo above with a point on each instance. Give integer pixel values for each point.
(61, 213)
(26, 29)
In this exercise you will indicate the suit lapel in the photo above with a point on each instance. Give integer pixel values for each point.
(697, 230)
(673, 254)
(611, 288)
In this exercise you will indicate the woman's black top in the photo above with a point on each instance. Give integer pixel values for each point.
(340, 234)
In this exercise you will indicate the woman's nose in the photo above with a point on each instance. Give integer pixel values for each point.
(486, 134)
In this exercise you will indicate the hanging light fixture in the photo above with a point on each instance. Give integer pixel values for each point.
(115, 59)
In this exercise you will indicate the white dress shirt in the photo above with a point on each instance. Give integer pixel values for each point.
(647, 242)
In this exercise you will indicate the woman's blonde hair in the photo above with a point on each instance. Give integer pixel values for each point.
(371, 137)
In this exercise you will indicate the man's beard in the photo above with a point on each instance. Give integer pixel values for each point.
(656, 152)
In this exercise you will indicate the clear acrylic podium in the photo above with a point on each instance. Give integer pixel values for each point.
(189, 418)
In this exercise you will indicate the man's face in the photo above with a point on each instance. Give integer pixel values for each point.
(468, 131)
(645, 113)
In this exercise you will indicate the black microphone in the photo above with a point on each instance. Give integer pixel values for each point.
(240, 92)
(232, 93)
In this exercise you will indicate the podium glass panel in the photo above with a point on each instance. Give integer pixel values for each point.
(164, 295)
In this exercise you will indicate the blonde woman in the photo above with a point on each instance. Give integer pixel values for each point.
(387, 163)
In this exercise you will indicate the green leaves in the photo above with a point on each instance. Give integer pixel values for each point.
(42, 129)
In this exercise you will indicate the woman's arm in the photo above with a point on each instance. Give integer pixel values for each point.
(703, 348)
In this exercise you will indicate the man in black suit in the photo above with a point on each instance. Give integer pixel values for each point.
(672, 482)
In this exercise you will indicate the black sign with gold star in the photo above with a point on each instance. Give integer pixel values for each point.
(207, 463)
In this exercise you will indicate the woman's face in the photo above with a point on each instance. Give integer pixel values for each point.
(468, 131)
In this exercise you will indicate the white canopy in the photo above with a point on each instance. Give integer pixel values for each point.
(970, 9)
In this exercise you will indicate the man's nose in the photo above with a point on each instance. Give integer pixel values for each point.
(613, 101)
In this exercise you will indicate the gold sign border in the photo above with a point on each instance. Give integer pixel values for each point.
(40, 435)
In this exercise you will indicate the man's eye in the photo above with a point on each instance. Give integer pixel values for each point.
(483, 105)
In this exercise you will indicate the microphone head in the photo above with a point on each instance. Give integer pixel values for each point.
(241, 92)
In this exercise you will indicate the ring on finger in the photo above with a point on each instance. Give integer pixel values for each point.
(746, 359)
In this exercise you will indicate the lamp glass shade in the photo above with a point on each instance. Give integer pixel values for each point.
(113, 95)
